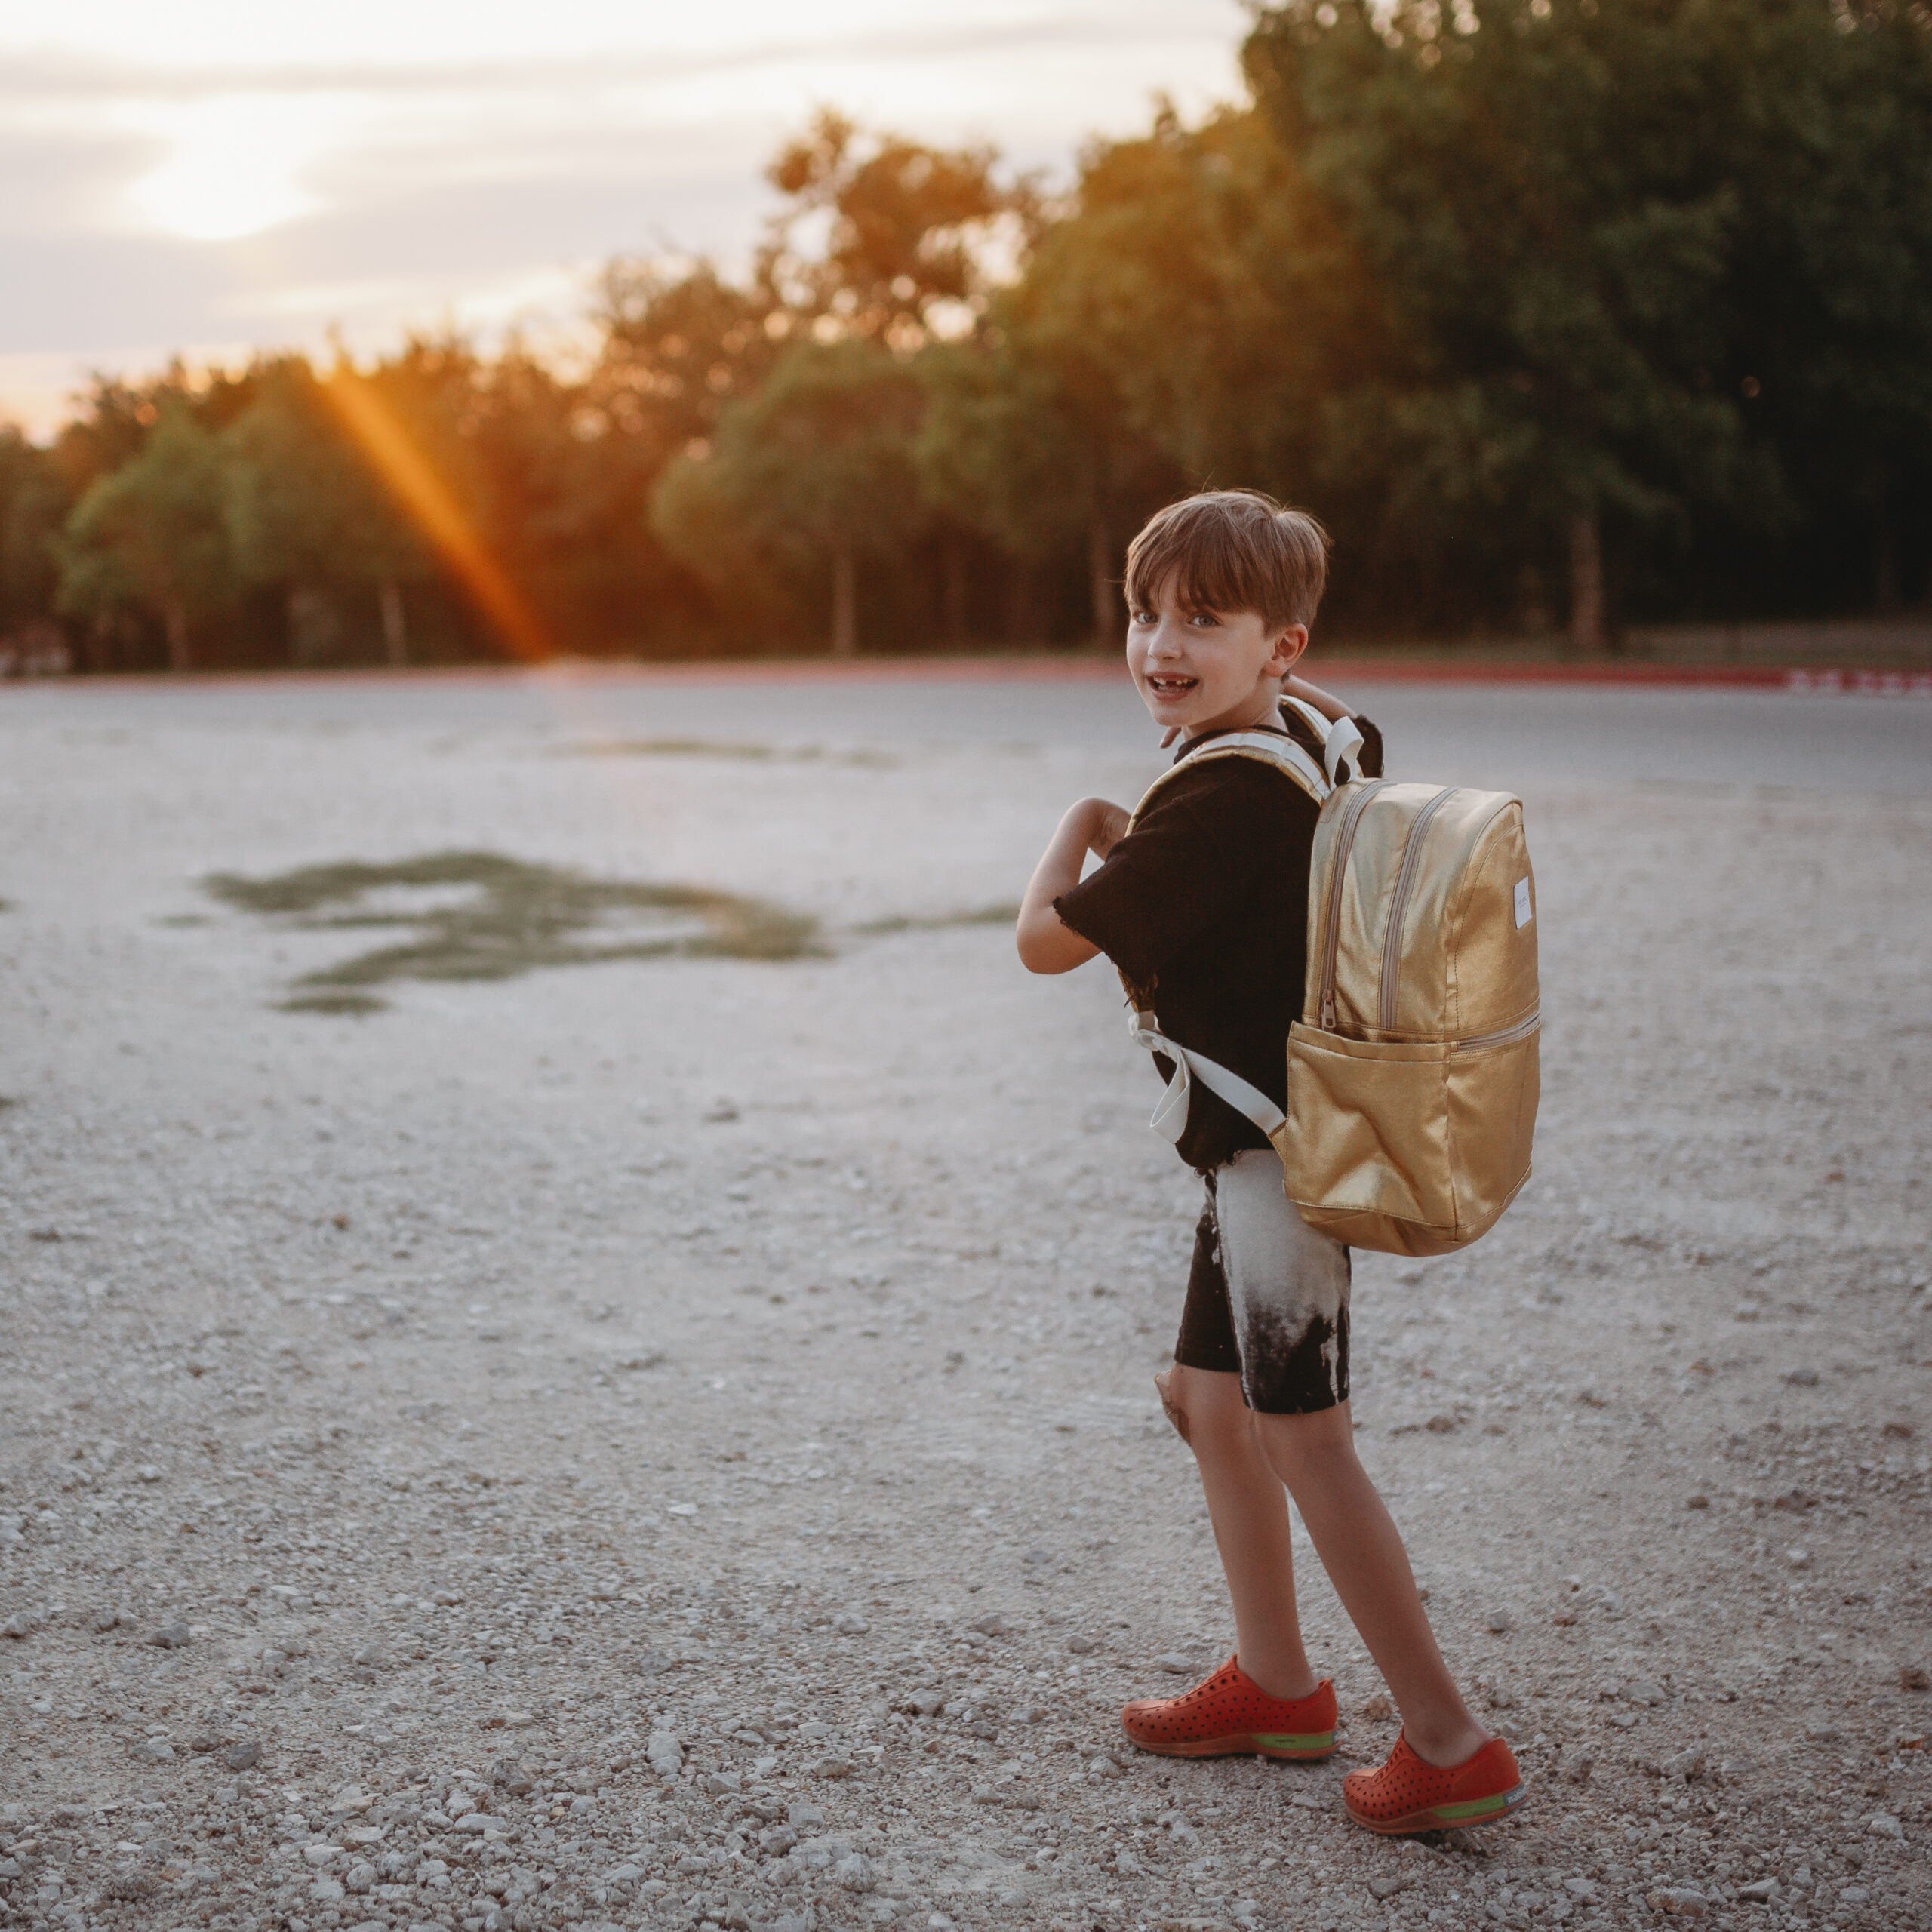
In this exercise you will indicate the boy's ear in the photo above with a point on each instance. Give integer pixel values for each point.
(1288, 648)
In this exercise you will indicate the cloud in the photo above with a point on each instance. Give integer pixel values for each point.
(262, 180)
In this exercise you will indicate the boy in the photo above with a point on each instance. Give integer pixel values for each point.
(1205, 901)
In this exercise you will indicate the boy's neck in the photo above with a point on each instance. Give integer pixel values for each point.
(1261, 712)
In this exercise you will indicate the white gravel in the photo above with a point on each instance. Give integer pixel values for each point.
(636, 1443)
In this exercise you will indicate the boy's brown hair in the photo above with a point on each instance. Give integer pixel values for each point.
(1231, 550)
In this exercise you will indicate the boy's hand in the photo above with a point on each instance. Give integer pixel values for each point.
(1046, 944)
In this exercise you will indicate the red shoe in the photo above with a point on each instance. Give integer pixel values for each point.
(1408, 1795)
(1230, 1713)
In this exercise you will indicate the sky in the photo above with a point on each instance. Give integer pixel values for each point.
(214, 177)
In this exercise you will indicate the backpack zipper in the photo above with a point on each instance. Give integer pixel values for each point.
(1345, 837)
(1392, 942)
(1522, 1029)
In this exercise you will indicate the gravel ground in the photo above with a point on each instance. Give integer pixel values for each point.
(666, 1438)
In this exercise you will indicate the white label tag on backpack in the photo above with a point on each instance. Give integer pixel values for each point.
(1522, 903)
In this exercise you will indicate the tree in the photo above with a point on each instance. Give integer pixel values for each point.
(154, 533)
(1560, 204)
(305, 513)
(33, 505)
(908, 231)
(815, 469)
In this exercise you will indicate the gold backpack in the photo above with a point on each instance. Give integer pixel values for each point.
(1413, 1075)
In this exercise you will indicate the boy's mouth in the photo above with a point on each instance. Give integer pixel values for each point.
(1170, 683)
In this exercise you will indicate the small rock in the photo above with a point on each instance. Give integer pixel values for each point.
(154, 1750)
(1643, 1692)
(1582, 1888)
(1760, 1891)
(1499, 1623)
(665, 1753)
(718, 1783)
(991, 1625)
(360, 1878)
(480, 1822)
(147, 1472)
(834, 1767)
(1181, 1666)
(1883, 1825)
(1803, 1378)
(1685, 1766)
(851, 1624)
(1080, 1645)
(1913, 1677)
(1440, 1424)
(1578, 1766)
(1377, 1709)
(171, 1636)
(242, 1756)
(1680, 1900)
(21, 1623)
(1386, 1884)
(1798, 1557)
(1696, 1503)
(1105, 1768)
(854, 1872)
(804, 1817)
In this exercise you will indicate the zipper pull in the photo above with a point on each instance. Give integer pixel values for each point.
(1327, 1013)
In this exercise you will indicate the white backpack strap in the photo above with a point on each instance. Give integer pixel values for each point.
(1275, 746)
(1341, 739)
(1171, 1116)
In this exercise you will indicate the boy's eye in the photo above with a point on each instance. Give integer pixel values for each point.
(1204, 618)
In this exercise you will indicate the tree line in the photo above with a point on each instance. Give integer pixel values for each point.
(1562, 314)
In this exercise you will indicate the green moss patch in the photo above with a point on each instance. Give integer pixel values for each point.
(479, 915)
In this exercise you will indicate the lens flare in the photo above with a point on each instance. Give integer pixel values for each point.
(433, 507)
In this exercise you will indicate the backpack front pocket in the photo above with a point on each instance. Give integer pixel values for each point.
(1409, 1147)
(1366, 1147)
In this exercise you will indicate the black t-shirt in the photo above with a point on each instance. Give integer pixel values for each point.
(1205, 904)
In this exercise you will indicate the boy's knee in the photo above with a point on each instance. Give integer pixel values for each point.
(1306, 1445)
(1206, 1408)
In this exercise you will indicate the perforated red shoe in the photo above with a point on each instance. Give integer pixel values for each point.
(1230, 1713)
(1407, 1794)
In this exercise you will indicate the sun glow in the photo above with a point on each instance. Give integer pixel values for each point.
(233, 167)
(433, 507)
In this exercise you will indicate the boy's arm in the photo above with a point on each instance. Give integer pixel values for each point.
(1046, 944)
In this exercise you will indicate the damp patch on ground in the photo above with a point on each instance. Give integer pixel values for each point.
(983, 915)
(480, 915)
(710, 748)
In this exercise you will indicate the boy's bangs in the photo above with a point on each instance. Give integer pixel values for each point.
(1230, 550)
(1218, 575)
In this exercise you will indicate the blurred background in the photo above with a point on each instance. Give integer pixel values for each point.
(1592, 328)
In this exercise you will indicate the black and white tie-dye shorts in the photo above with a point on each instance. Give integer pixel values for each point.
(1268, 1296)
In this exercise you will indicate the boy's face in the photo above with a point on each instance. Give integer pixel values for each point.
(1199, 670)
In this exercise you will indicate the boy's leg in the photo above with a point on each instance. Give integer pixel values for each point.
(1249, 1511)
(1360, 1549)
